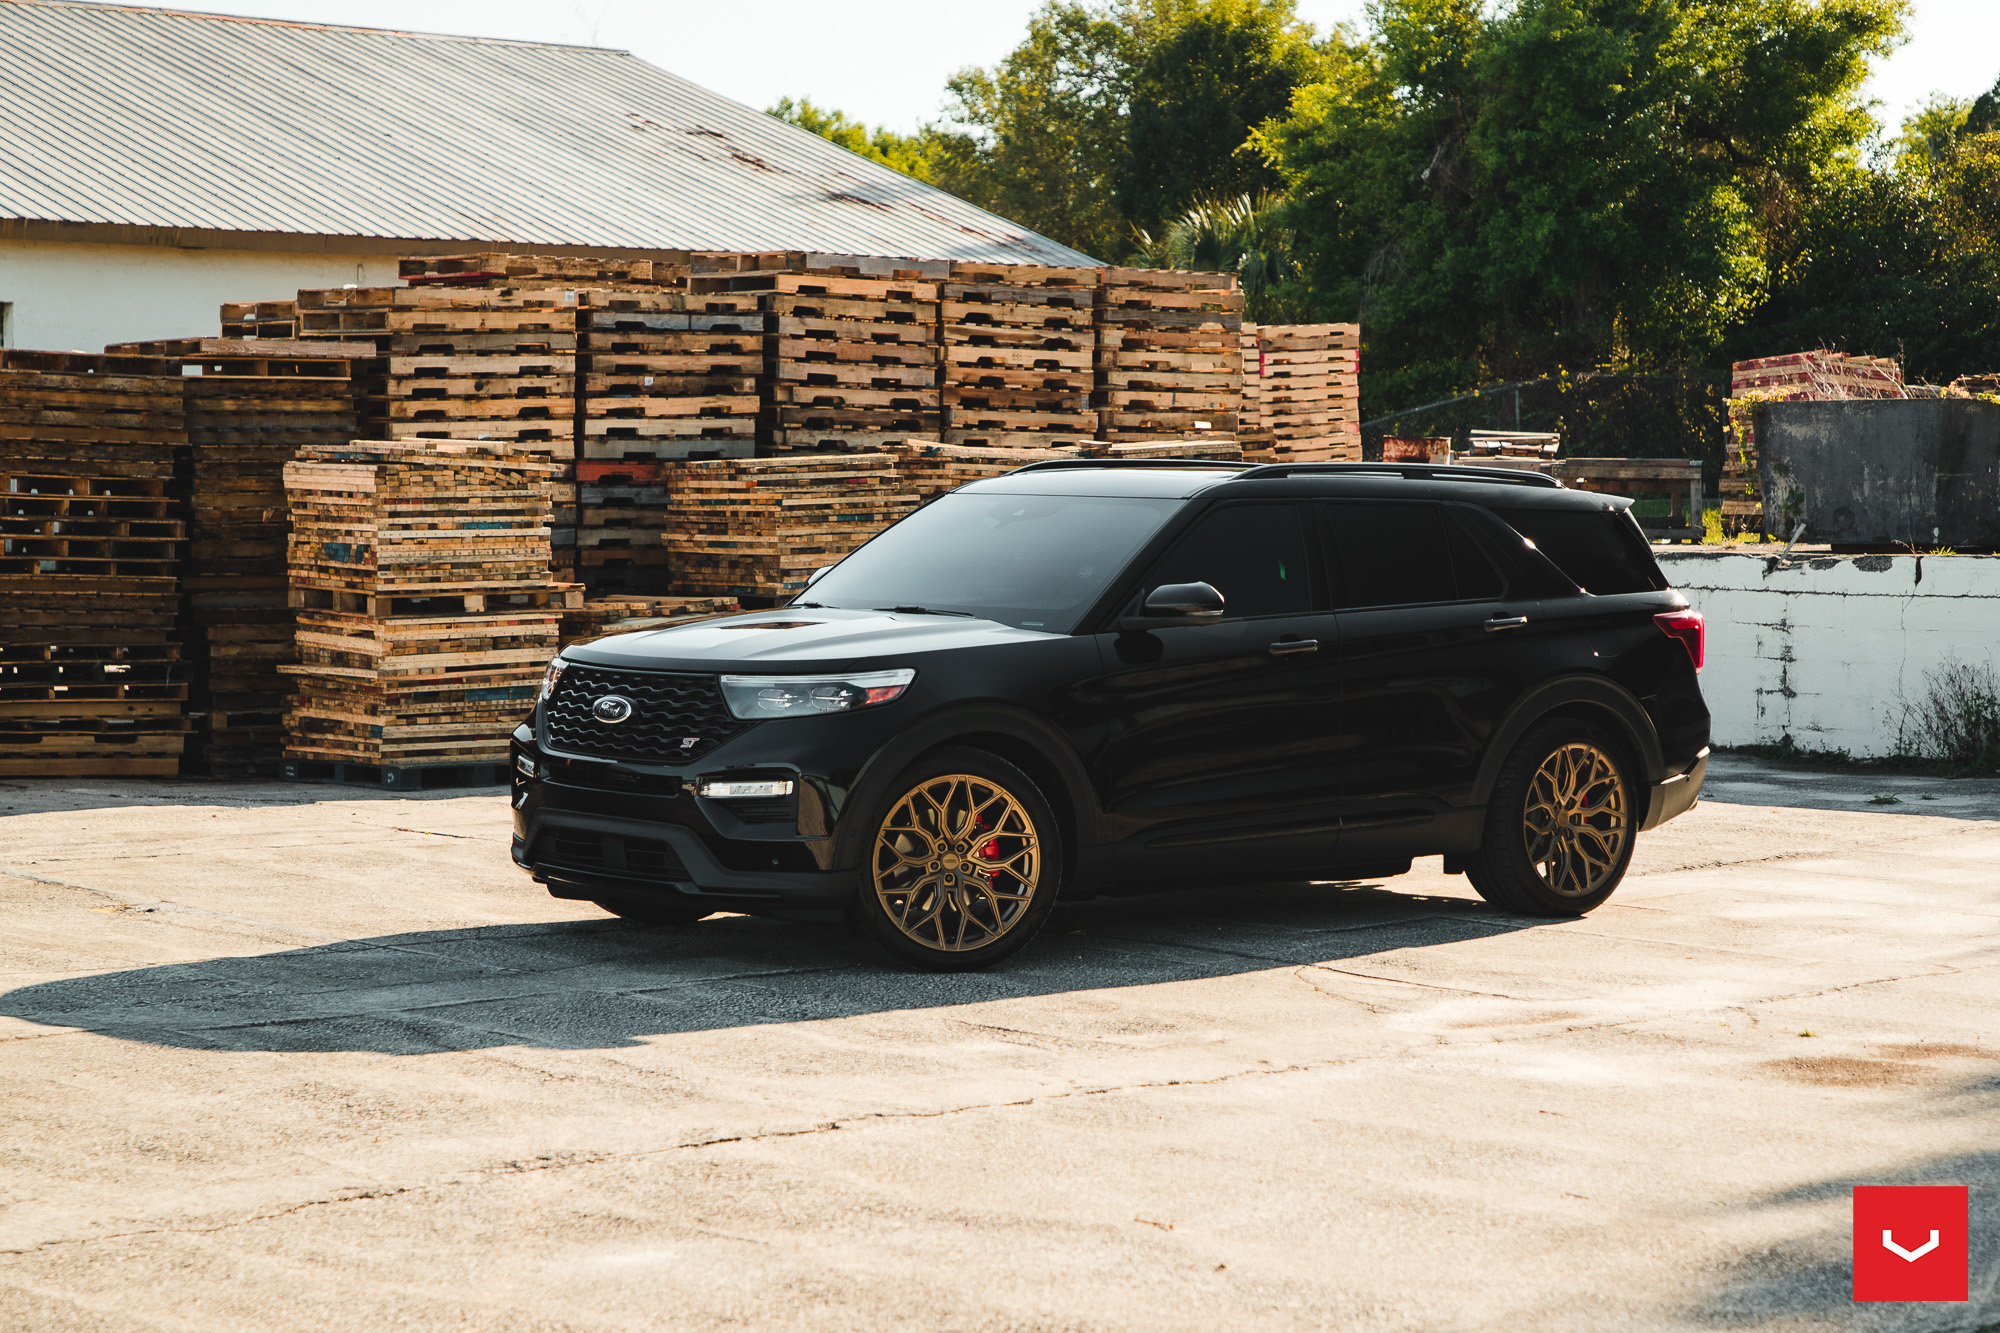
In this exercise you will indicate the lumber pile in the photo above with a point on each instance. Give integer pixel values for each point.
(755, 528)
(1018, 349)
(1302, 393)
(1169, 354)
(91, 677)
(252, 407)
(1816, 376)
(853, 360)
(598, 617)
(420, 575)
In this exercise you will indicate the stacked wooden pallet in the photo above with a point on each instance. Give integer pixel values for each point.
(487, 363)
(91, 677)
(260, 319)
(927, 469)
(1302, 392)
(756, 528)
(1817, 376)
(597, 617)
(853, 361)
(420, 574)
(1018, 349)
(670, 377)
(1169, 354)
(252, 407)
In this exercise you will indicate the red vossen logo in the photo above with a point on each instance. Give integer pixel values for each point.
(1911, 1242)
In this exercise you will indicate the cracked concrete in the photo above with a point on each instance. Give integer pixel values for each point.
(280, 1058)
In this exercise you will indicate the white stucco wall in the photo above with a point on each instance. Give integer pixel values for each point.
(1828, 649)
(70, 297)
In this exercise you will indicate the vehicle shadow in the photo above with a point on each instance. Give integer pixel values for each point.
(1808, 1282)
(26, 796)
(577, 985)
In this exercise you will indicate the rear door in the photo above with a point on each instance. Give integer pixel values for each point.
(1434, 649)
(1216, 756)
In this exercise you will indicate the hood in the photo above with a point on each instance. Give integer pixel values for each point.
(796, 639)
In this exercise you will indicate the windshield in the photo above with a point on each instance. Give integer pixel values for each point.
(1036, 561)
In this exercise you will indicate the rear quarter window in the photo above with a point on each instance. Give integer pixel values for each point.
(1602, 551)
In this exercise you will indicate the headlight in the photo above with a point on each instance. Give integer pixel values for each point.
(804, 696)
(549, 677)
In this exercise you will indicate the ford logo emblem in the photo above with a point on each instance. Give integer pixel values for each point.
(611, 708)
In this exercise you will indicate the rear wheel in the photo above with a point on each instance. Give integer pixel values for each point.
(1560, 825)
(963, 865)
(655, 912)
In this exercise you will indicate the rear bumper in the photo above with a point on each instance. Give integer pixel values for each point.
(1677, 794)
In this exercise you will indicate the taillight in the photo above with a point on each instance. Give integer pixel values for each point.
(1687, 627)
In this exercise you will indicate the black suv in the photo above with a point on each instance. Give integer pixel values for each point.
(1088, 677)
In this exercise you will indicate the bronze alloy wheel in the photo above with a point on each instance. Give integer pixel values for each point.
(957, 863)
(1577, 821)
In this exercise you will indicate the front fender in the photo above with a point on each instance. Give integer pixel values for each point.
(966, 724)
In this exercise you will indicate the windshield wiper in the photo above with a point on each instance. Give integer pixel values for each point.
(924, 611)
(817, 606)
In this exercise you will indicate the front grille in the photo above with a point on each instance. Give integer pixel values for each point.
(610, 854)
(674, 717)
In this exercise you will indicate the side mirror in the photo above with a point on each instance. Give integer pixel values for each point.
(817, 575)
(1176, 604)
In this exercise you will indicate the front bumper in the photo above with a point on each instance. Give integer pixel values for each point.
(1676, 795)
(593, 830)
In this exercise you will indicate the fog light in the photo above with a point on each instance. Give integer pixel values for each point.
(749, 789)
(526, 766)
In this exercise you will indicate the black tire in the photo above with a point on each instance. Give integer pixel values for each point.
(962, 864)
(655, 912)
(1561, 823)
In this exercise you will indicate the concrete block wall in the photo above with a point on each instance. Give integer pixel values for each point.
(1827, 649)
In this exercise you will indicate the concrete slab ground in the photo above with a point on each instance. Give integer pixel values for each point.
(279, 1058)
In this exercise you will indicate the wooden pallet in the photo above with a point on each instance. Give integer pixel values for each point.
(425, 606)
(759, 527)
(92, 681)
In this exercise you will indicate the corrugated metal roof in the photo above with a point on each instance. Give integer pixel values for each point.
(155, 118)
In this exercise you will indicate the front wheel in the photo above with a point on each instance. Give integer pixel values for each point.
(963, 864)
(1560, 825)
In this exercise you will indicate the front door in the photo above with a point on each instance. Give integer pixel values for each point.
(1215, 756)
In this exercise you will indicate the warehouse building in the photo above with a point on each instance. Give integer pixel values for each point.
(154, 164)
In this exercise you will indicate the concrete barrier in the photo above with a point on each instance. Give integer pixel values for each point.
(1826, 649)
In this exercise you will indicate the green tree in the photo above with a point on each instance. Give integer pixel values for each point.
(1210, 73)
(1900, 260)
(1040, 137)
(1506, 191)
(911, 154)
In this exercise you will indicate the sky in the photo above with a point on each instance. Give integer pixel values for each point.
(885, 62)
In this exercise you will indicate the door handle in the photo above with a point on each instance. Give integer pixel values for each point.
(1505, 622)
(1287, 647)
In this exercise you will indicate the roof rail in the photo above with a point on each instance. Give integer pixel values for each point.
(1503, 476)
(1051, 464)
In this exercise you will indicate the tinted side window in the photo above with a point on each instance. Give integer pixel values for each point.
(1390, 554)
(1254, 555)
(1478, 580)
(1602, 551)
